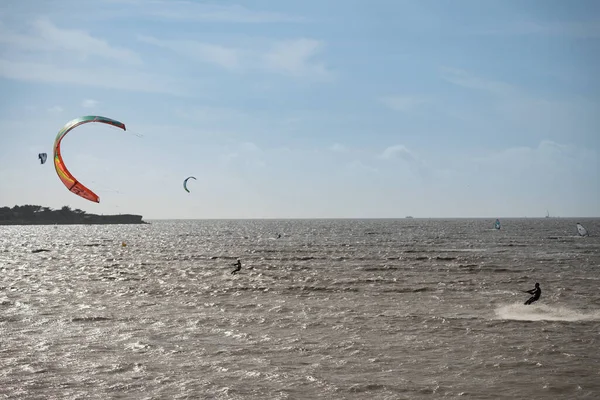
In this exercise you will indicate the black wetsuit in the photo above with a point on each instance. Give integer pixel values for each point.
(536, 292)
(238, 267)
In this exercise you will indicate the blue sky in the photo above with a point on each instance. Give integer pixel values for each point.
(301, 109)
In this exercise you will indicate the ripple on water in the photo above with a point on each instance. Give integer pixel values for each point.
(334, 309)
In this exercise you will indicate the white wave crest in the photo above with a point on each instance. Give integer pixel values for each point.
(543, 312)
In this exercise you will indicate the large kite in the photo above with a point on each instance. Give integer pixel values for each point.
(63, 173)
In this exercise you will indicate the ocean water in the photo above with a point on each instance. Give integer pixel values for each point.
(334, 309)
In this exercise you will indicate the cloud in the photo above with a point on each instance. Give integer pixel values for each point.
(463, 78)
(522, 112)
(49, 54)
(55, 109)
(397, 151)
(228, 58)
(217, 13)
(403, 103)
(550, 175)
(573, 29)
(99, 77)
(195, 11)
(89, 103)
(212, 114)
(548, 158)
(338, 148)
(358, 166)
(47, 37)
(250, 147)
(294, 58)
(244, 155)
(227, 122)
(401, 152)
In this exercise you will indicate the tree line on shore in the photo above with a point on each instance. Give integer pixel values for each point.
(36, 214)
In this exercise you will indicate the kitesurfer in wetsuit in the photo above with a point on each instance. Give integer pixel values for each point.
(536, 292)
(238, 266)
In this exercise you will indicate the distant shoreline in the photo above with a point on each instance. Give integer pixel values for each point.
(38, 215)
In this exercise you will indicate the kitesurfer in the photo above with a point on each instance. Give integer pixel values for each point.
(238, 266)
(536, 292)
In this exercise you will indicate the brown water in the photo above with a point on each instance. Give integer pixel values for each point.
(336, 309)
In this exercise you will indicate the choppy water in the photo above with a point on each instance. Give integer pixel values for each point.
(336, 309)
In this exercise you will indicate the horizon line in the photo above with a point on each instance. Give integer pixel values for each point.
(353, 218)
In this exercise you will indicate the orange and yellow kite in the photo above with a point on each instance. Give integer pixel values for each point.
(63, 173)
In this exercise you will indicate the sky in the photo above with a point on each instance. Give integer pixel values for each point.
(305, 109)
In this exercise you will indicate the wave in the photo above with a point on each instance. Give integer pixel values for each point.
(543, 312)
(90, 319)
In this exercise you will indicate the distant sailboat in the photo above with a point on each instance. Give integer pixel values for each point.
(497, 224)
(581, 230)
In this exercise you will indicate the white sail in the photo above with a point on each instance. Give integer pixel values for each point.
(582, 231)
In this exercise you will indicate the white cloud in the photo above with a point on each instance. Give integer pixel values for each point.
(250, 147)
(47, 37)
(561, 177)
(338, 148)
(228, 58)
(56, 109)
(218, 13)
(573, 29)
(89, 103)
(463, 78)
(358, 166)
(93, 76)
(206, 114)
(195, 11)
(295, 58)
(397, 151)
(414, 162)
(403, 103)
(548, 158)
(292, 58)
(517, 110)
(49, 54)
(244, 154)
